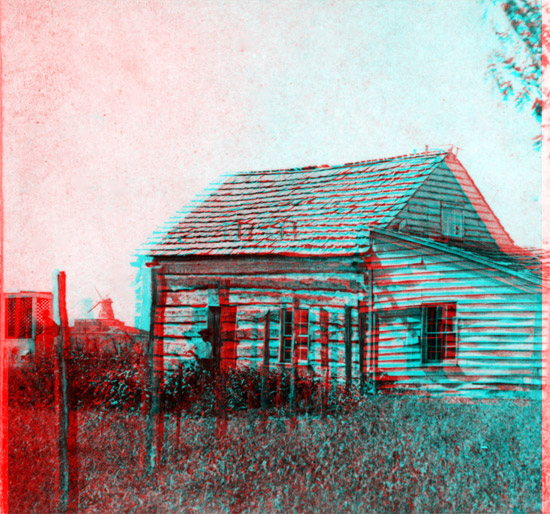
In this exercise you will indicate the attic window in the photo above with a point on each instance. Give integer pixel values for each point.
(452, 222)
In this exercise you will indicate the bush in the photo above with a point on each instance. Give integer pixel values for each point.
(117, 382)
(31, 385)
(93, 381)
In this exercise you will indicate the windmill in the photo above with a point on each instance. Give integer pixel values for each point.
(106, 310)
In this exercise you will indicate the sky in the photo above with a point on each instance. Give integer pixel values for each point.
(116, 114)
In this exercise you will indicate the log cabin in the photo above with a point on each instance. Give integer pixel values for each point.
(393, 271)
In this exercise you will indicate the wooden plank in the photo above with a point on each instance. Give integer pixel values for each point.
(181, 314)
(324, 282)
(387, 300)
(254, 266)
(275, 298)
(198, 298)
(178, 330)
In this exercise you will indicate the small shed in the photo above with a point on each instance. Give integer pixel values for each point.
(394, 270)
(28, 319)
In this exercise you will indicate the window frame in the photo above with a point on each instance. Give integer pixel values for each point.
(452, 215)
(448, 335)
(11, 327)
(284, 336)
(293, 336)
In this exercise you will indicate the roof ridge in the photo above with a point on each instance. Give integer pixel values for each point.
(429, 153)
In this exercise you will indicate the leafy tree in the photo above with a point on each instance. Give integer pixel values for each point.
(516, 66)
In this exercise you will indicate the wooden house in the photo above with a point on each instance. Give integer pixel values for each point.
(394, 270)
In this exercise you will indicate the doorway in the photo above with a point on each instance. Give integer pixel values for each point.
(221, 327)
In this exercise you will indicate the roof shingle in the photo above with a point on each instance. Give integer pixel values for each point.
(308, 211)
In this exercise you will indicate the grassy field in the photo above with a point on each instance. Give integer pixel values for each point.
(384, 454)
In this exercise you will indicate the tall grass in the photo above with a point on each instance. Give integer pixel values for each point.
(384, 454)
(338, 451)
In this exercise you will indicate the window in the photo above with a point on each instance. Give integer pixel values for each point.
(19, 318)
(25, 318)
(301, 337)
(452, 222)
(438, 333)
(324, 322)
(43, 315)
(11, 314)
(294, 335)
(286, 335)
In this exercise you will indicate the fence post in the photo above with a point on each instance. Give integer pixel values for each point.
(68, 479)
(178, 406)
(3, 357)
(265, 366)
(149, 402)
(293, 385)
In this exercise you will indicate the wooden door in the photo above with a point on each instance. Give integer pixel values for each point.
(221, 326)
(214, 334)
(228, 342)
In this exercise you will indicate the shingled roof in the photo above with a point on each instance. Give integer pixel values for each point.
(303, 211)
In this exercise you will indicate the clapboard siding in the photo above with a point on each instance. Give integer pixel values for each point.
(484, 212)
(423, 211)
(499, 321)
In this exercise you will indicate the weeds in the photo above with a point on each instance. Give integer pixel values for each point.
(372, 453)
(385, 455)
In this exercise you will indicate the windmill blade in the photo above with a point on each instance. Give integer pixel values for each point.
(98, 303)
(98, 292)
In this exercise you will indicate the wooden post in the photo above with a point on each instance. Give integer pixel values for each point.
(149, 396)
(265, 365)
(292, 391)
(62, 399)
(370, 322)
(362, 327)
(324, 322)
(293, 362)
(179, 407)
(347, 343)
(281, 369)
(279, 385)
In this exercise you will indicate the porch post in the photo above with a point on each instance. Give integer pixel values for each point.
(347, 343)
(265, 366)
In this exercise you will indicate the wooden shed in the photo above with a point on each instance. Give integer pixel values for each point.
(394, 270)
(28, 318)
